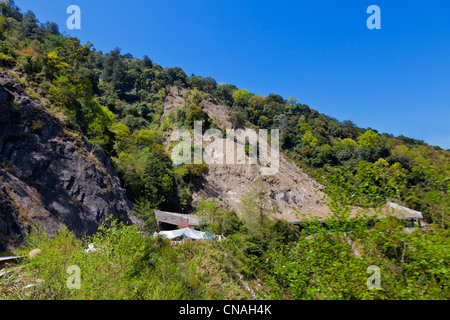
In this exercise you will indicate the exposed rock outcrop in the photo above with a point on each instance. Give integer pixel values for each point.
(293, 192)
(48, 175)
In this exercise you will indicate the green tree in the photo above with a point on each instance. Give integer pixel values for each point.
(241, 98)
(196, 97)
(264, 122)
(144, 137)
(369, 183)
(257, 101)
(369, 138)
(309, 139)
(237, 118)
(196, 113)
(144, 209)
(397, 182)
(256, 207)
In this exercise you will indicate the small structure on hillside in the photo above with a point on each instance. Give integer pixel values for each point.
(171, 220)
(405, 213)
(391, 209)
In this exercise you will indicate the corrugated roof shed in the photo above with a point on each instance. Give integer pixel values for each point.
(176, 218)
(407, 213)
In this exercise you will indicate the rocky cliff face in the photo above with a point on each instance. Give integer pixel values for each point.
(48, 175)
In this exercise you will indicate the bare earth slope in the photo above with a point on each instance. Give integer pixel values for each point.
(293, 194)
(292, 191)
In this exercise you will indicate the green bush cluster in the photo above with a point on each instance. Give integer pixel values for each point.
(333, 264)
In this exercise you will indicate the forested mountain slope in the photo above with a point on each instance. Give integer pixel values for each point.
(86, 134)
(128, 108)
(290, 192)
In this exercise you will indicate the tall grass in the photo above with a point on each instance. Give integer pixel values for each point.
(125, 265)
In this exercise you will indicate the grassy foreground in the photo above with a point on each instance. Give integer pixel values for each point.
(318, 264)
(126, 265)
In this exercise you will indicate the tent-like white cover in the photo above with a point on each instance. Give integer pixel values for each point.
(188, 232)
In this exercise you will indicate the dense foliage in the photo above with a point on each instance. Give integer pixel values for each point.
(113, 99)
(336, 265)
(123, 265)
(272, 260)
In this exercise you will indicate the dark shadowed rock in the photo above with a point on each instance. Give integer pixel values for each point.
(49, 176)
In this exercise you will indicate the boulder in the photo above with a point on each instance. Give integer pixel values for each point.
(34, 253)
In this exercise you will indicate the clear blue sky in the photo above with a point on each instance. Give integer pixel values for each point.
(395, 80)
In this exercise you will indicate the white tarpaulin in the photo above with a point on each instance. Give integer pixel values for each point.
(187, 232)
